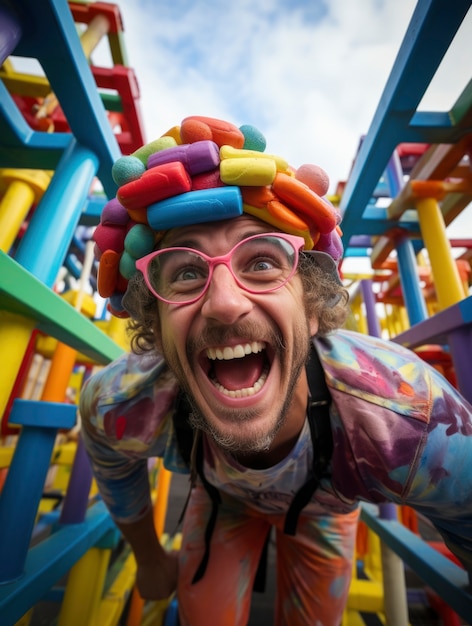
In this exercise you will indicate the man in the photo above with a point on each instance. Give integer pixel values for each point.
(225, 258)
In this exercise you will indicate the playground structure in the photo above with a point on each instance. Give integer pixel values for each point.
(59, 136)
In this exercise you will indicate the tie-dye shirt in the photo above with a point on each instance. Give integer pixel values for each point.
(401, 433)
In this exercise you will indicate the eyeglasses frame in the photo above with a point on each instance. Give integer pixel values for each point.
(142, 264)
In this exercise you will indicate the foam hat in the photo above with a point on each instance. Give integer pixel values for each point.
(207, 170)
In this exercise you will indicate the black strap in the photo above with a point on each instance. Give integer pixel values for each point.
(215, 502)
(261, 574)
(184, 432)
(320, 429)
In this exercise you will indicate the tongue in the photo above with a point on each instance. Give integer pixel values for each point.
(239, 373)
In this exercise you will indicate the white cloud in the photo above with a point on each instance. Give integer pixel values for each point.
(309, 74)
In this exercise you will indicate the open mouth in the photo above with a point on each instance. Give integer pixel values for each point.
(238, 371)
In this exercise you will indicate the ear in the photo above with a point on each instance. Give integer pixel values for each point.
(313, 326)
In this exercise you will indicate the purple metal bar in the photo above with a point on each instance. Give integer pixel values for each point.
(460, 343)
(10, 33)
(373, 324)
(76, 500)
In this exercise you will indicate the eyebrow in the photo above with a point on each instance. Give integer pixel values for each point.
(194, 244)
(185, 243)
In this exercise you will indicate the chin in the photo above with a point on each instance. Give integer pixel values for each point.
(241, 436)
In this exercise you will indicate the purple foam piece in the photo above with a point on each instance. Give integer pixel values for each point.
(197, 157)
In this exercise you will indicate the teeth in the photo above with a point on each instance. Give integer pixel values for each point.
(242, 393)
(235, 352)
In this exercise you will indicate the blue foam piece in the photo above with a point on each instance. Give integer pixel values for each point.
(196, 207)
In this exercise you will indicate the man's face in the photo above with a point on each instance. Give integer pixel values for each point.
(256, 394)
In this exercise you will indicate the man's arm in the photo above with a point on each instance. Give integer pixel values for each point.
(117, 445)
(156, 576)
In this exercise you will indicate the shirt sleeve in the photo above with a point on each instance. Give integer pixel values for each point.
(440, 482)
(402, 434)
(126, 411)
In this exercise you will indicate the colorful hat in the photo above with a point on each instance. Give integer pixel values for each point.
(202, 171)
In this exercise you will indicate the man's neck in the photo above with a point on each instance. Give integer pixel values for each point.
(287, 436)
(267, 458)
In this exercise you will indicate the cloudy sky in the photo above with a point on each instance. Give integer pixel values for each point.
(308, 73)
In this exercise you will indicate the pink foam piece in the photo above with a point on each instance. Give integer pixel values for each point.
(313, 177)
(207, 180)
(109, 237)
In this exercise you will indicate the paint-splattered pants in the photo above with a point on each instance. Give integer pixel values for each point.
(313, 568)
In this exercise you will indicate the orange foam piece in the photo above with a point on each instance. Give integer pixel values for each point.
(262, 203)
(139, 215)
(298, 196)
(198, 128)
(257, 196)
(262, 198)
(108, 273)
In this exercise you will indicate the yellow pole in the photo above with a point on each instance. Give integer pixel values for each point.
(84, 588)
(162, 496)
(22, 188)
(14, 207)
(94, 33)
(447, 280)
(15, 333)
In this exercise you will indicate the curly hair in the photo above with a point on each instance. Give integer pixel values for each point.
(325, 299)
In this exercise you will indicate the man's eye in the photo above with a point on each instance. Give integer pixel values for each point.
(261, 265)
(188, 274)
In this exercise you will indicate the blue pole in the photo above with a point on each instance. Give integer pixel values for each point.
(24, 484)
(20, 497)
(407, 266)
(411, 288)
(45, 244)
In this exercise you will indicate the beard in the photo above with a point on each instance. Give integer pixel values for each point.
(254, 440)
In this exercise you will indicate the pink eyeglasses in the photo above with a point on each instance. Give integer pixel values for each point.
(259, 264)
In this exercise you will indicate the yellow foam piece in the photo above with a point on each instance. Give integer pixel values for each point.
(251, 171)
(228, 152)
(175, 133)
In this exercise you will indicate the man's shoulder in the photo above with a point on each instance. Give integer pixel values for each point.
(346, 346)
(126, 377)
(377, 370)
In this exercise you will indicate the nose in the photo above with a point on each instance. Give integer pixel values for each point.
(225, 301)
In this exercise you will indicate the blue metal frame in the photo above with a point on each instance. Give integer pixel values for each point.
(396, 119)
(50, 36)
(436, 570)
(47, 562)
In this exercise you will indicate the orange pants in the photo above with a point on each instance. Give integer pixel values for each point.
(313, 568)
